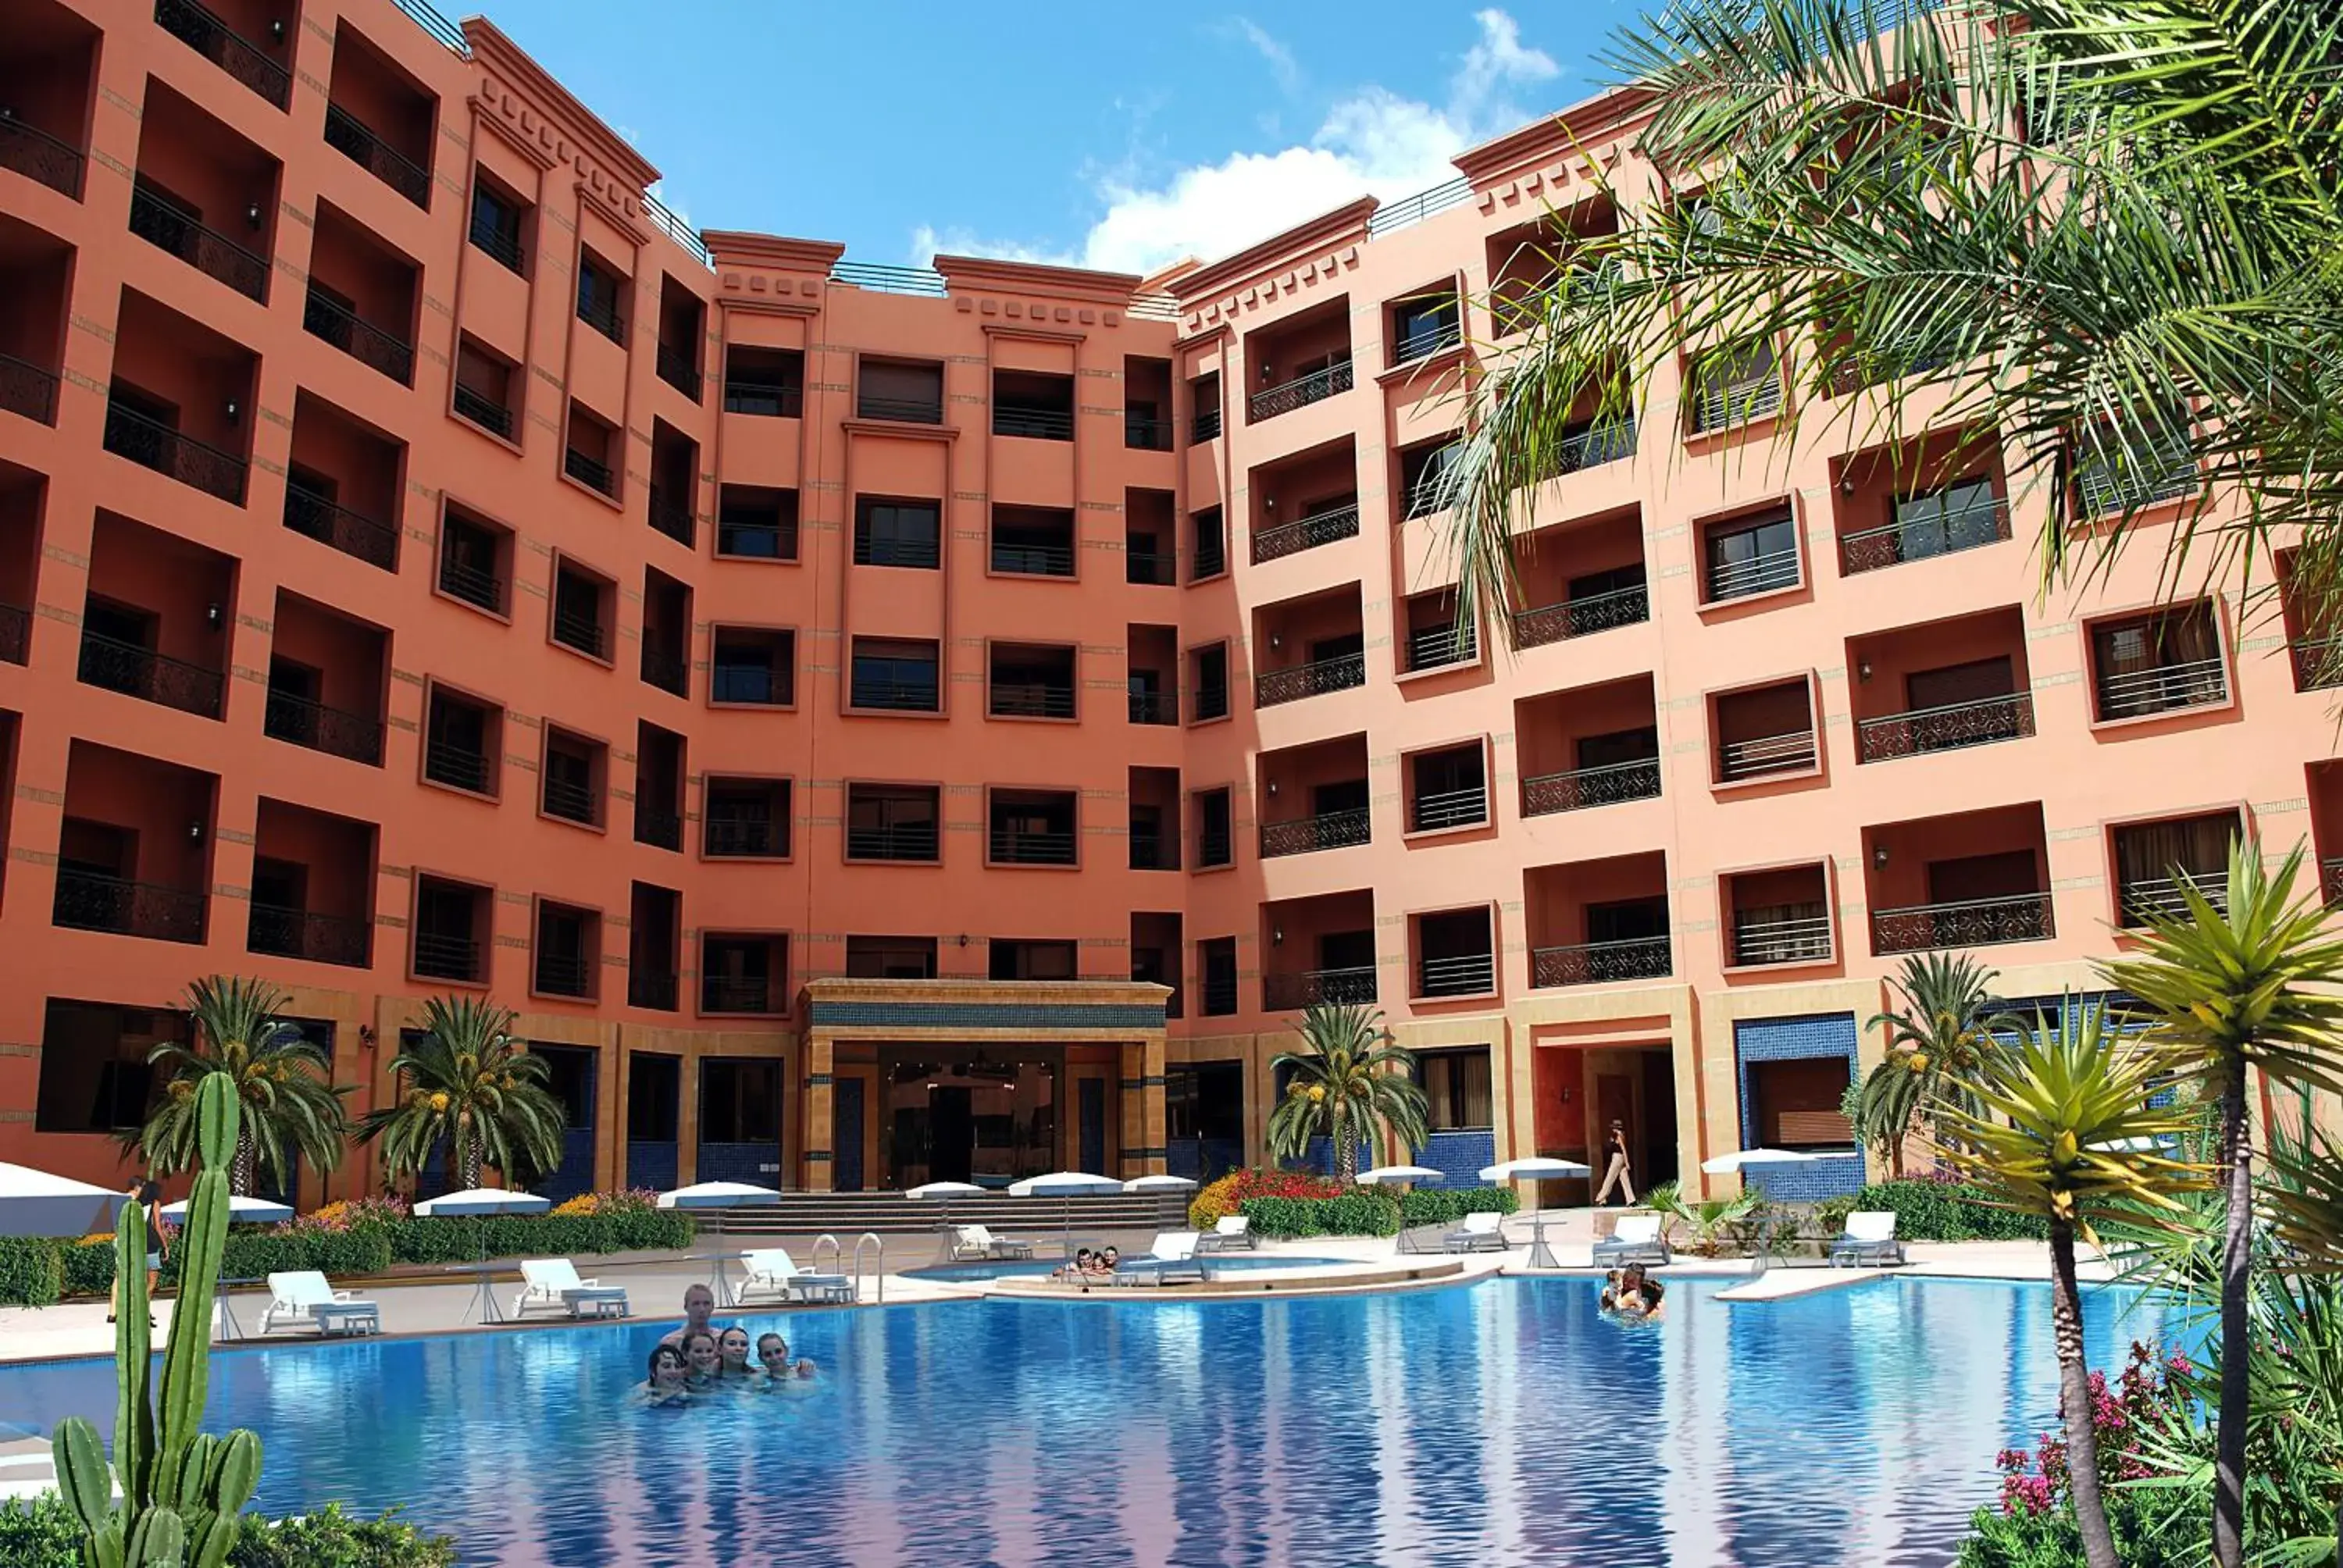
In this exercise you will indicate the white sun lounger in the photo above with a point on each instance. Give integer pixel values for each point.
(1173, 1260)
(304, 1296)
(1869, 1237)
(976, 1241)
(1635, 1240)
(1229, 1234)
(551, 1284)
(1480, 1233)
(771, 1271)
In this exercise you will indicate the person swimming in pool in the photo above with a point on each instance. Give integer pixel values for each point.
(781, 1373)
(1082, 1266)
(732, 1368)
(1635, 1294)
(699, 1306)
(1106, 1259)
(703, 1360)
(664, 1379)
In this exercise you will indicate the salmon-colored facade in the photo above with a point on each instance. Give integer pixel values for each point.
(831, 702)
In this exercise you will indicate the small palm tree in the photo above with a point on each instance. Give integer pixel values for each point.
(282, 1082)
(1935, 1042)
(1344, 1082)
(2062, 1128)
(2229, 990)
(1707, 1217)
(468, 1083)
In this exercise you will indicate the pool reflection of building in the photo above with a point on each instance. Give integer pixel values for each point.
(425, 564)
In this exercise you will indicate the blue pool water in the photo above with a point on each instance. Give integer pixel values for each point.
(1219, 1263)
(1506, 1423)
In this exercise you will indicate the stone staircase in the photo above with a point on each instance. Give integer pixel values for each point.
(847, 1215)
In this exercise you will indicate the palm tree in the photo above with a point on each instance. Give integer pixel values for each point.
(2228, 986)
(283, 1084)
(468, 1084)
(2062, 1128)
(1345, 1081)
(2103, 235)
(1935, 1042)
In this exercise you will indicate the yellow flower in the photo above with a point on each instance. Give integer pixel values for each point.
(440, 1102)
(181, 1089)
(1317, 1092)
(1920, 1063)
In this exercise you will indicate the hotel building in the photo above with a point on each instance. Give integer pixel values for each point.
(884, 724)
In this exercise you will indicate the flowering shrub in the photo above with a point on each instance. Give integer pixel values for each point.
(1228, 1195)
(626, 1200)
(353, 1215)
(2035, 1481)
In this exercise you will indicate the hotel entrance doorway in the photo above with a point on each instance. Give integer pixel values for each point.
(985, 1114)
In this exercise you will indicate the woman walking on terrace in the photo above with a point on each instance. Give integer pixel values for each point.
(1617, 1170)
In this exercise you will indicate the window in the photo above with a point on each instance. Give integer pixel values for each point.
(496, 223)
(1209, 545)
(577, 611)
(2158, 663)
(598, 290)
(1751, 555)
(1456, 1085)
(894, 822)
(1215, 839)
(460, 743)
(654, 1097)
(2151, 858)
(1030, 961)
(742, 974)
(471, 562)
(1795, 1104)
(1733, 387)
(888, 533)
(753, 667)
(567, 960)
(1424, 325)
(897, 677)
(1939, 522)
(1212, 672)
(1216, 957)
(94, 1072)
(739, 1101)
(913, 393)
(891, 958)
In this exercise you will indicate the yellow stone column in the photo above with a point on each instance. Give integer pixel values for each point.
(820, 1113)
(1145, 1128)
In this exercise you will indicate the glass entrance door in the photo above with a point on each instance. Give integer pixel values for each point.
(986, 1114)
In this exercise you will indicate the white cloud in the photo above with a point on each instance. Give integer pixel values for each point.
(928, 242)
(1280, 57)
(1371, 141)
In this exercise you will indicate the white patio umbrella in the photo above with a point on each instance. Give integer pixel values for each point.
(1068, 1185)
(1395, 1175)
(1143, 1184)
(947, 1191)
(1536, 1168)
(35, 1204)
(718, 1195)
(241, 1211)
(1739, 1164)
(480, 1202)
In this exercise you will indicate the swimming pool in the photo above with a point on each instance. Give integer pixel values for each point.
(1011, 1268)
(1502, 1422)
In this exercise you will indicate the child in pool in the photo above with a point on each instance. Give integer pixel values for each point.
(703, 1362)
(664, 1378)
(782, 1375)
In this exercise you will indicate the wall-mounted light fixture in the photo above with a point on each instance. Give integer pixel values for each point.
(1273, 788)
(1277, 936)
(233, 409)
(252, 215)
(1862, 669)
(212, 616)
(1879, 855)
(1846, 482)
(277, 30)
(964, 939)
(195, 832)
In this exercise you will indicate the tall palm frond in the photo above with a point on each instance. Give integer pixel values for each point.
(283, 1084)
(468, 1086)
(1936, 1038)
(1346, 1085)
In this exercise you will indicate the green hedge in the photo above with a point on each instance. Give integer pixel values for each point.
(1352, 1214)
(32, 1273)
(1449, 1205)
(42, 1534)
(540, 1235)
(1947, 1211)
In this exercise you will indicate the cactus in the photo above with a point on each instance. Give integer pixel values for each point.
(183, 1492)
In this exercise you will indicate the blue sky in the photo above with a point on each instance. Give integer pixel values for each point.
(1100, 135)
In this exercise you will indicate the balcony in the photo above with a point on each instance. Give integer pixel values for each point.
(457, 766)
(1601, 963)
(661, 830)
(563, 974)
(15, 634)
(667, 671)
(1032, 541)
(1757, 756)
(654, 990)
(28, 390)
(679, 369)
(289, 933)
(1312, 387)
(143, 673)
(162, 223)
(1159, 569)
(1437, 636)
(1307, 533)
(1795, 934)
(901, 841)
(1327, 831)
(1455, 974)
(1949, 727)
(754, 523)
(670, 514)
(1351, 987)
(466, 581)
(40, 157)
(215, 40)
(2163, 688)
(314, 516)
(439, 956)
(1749, 556)
(336, 322)
(1340, 673)
(1762, 731)
(589, 471)
(152, 444)
(750, 994)
(483, 411)
(1579, 617)
(2108, 484)
(764, 382)
(1964, 517)
(302, 722)
(1966, 923)
(1033, 406)
(92, 902)
(1736, 388)
(1591, 443)
(1447, 789)
(1153, 706)
(351, 136)
(1029, 845)
(1582, 787)
(1146, 432)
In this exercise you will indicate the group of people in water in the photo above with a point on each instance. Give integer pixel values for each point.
(1089, 1265)
(1631, 1294)
(700, 1361)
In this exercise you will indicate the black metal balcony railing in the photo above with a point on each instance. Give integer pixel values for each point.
(747, 838)
(900, 410)
(2164, 689)
(1946, 728)
(1969, 923)
(1154, 708)
(725, 994)
(670, 514)
(1159, 567)
(570, 800)
(756, 684)
(1206, 426)
(1578, 616)
(1426, 340)
(296, 718)
(350, 135)
(661, 830)
(2317, 663)
(1300, 392)
(1035, 424)
(679, 369)
(1327, 831)
(212, 38)
(500, 245)
(209, 251)
(1458, 974)
(1967, 528)
(312, 516)
(1781, 939)
(1434, 647)
(667, 671)
(654, 990)
(1755, 575)
(1215, 847)
(1219, 999)
(1317, 988)
(438, 956)
(1448, 809)
(922, 551)
(1594, 444)
(368, 344)
(562, 974)
(27, 389)
(1738, 759)
(38, 155)
(774, 541)
(1032, 701)
(1033, 560)
(1024, 846)
(1153, 849)
(578, 630)
(15, 634)
(1601, 963)
(141, 672)
(1340, 673)
(2330, 881)
(591, 472)
(766, 399)
(2106, 487)
(457, 767)
(600, 310)
(893, 694)
(93, 901)
(287, 933)
(893, 842)
(154, 445)
(470, 583)
(1143, 433)
(1583, 787)
(2149, 896)
(484, 411)
(1305, 534)
(1211, 559)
